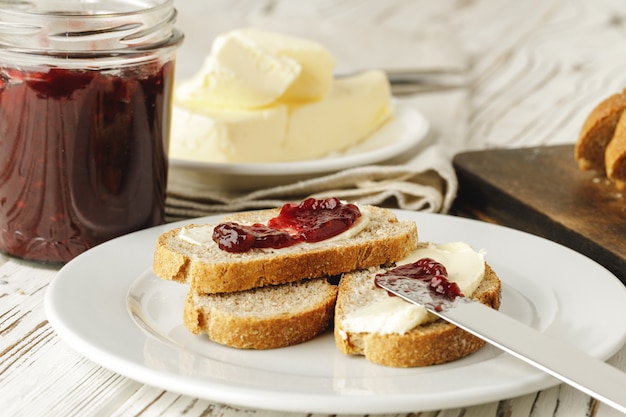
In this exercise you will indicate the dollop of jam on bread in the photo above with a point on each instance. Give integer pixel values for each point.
(430, 271)
(312, 220)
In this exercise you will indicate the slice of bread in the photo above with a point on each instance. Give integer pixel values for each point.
(209, 269)
(431, 343)
(263, 318)
(615, 155)
(597, 132)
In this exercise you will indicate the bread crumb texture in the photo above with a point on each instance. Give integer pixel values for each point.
(263, 318)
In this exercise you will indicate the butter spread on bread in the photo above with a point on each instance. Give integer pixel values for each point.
(434, 341)
(208, 269)
(203, 235)
(385, 314)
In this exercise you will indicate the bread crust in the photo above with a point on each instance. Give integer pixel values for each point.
(615, 155)
(432, 343)
(267, 330)
(597, 132)
(211, 270)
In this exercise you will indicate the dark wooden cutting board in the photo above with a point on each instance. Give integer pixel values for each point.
(541, 190)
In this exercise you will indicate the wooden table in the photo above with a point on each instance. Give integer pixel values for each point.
(537, 68)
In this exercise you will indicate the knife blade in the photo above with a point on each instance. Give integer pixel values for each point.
(408, 82)
(553, 356)
(413, 82)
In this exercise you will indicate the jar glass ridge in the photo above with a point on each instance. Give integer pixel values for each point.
(85, 89)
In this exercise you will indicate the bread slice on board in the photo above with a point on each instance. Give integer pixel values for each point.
(431, 343)
(209, 269)
(263, 318)
(615, 155)
(597, 132)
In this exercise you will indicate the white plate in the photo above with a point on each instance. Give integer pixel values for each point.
(404, 131)
(546, 285)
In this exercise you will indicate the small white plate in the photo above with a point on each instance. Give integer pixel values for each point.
(405, 130)
(109, 306)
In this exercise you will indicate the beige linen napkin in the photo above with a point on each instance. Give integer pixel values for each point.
(422, 179)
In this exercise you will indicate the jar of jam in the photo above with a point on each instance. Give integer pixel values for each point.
(85, 91)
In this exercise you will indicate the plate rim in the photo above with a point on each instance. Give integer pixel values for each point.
(419, 123)
(295, 402)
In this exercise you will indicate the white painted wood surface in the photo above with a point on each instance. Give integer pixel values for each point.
(537, 68)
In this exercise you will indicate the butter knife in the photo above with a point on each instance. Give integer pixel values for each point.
(553, 356)
(413, 82)
(407, 82)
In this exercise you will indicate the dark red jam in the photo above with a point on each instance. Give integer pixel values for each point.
(310, 221)
(430, 271)
(83, 157)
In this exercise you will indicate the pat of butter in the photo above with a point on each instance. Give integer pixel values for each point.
(355, 107)
(250, 68)
(316, 64)
(203, 235)
(225, 135)
(387, 315)
(220, 87)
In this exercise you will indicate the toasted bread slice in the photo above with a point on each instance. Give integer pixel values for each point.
(263, 318)
(615, 155)
(209, 269)
(597, 132)
(431, 343)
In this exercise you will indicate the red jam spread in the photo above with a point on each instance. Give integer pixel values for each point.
(430, 271)
(310, 221)
(78, 148)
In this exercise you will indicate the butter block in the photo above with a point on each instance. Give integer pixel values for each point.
(355, 107)
(316, 62)
(225, 135)
(219, 86)
(250, 69)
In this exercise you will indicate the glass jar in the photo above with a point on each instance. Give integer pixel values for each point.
(85, 90)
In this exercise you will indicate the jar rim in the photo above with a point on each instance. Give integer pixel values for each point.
(18, 8)
(134, 27)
